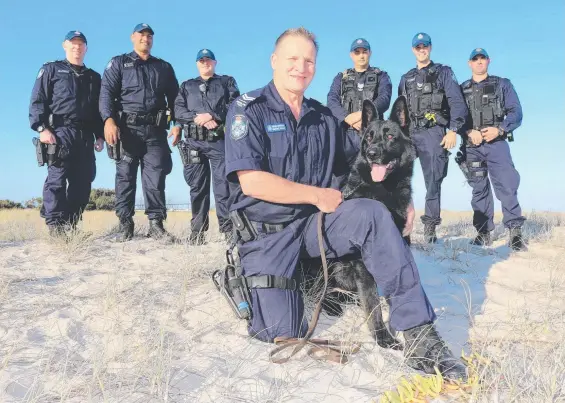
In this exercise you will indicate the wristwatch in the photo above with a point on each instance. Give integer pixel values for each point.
(501, 132)
(453, 129)
(40, 128)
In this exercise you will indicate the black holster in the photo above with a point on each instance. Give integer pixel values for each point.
(243, 227)
(187, 155)
(48, 153)
(116, 152)
(233, 286)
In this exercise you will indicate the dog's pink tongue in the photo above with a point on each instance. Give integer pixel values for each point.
(378, 172)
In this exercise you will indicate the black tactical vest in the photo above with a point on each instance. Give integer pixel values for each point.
(425, 97)
(355, 91)
(484, 101)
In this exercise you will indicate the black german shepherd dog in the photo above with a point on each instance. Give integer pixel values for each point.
(382, 171)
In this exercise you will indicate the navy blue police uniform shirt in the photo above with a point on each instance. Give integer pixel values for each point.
(219, 92)
(448, 82)
(135, 85)
(69, 91)
(381, 101)
(263, 135)
(510, 103)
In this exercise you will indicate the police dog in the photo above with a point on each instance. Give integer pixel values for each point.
(382, 171)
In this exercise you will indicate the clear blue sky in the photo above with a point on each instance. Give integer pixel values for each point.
(524, 40)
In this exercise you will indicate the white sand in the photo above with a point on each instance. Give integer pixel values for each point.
(142, 322)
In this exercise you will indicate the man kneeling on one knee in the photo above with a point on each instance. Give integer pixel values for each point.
(281, 152)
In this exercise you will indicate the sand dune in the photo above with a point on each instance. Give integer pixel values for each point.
(91, 320)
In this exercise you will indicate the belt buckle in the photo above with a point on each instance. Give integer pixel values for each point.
(131, 118)
(270, 281)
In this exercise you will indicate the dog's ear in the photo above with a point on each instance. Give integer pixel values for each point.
(368, 113)
(400, 114)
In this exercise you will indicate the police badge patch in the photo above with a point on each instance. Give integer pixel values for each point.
(109, 64)
(39, 74)
(238, 127)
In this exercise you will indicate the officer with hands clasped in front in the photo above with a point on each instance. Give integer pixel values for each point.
(494, 113)
(351, 87)
(64, 111)
(201, 107)
(136, 118)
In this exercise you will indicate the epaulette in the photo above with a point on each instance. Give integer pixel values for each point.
(244, 100)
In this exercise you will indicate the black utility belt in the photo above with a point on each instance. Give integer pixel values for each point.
(195, 132)
(56, 121)
(160, 119)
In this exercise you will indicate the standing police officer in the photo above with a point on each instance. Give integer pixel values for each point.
(133, 107)
(495, 112)
(64, 111)
(436, 104)
(351, 87)
(281, 152)
(201, 106)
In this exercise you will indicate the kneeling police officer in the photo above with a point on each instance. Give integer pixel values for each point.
(282, 150)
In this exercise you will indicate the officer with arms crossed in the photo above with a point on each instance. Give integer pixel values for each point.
(132, 104)
(436, 105)
(201, 107)
(350, 88)
(281, 152)
(495, 112)
(64, 111)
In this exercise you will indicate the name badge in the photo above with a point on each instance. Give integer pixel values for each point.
(276, 127)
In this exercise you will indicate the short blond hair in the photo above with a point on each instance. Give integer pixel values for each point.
(300, 31)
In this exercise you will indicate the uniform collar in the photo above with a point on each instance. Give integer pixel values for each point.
(199, 78)
(427, 67)
(135, 56)
(486, 80)
(276, 103)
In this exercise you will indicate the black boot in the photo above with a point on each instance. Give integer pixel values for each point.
(425, 349)
(516, 240)
(430, 233)
(197, 238)
(125, 232)
(157, 231)
(482, 239)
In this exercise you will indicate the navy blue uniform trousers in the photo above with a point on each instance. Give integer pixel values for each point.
(148, 147)
(197, 176)
(359, 226)
(62, 203)
(505, 180)
(434, 160)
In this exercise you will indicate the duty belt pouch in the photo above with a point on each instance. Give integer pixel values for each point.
(245, 230)
(202, 132)
(193, 156)
(212, 135)
(191, 131)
